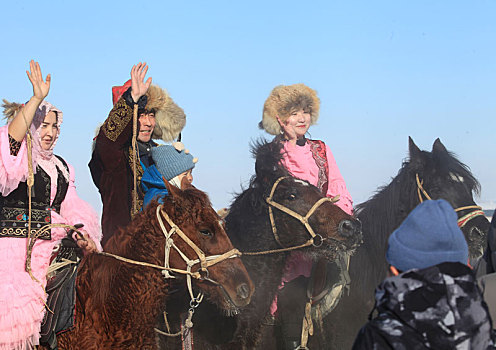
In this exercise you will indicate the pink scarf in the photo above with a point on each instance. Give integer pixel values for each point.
(45, 158)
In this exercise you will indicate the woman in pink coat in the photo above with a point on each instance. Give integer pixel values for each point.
(288, 113)
(54, 201)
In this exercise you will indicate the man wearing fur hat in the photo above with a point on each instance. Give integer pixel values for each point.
(112, 163)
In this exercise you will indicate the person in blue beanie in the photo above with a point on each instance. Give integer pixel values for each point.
(172, 163)
(431, 299)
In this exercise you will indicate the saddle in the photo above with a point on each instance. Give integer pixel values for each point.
(61, 290)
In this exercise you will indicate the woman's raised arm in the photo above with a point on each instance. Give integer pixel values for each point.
(24, 118)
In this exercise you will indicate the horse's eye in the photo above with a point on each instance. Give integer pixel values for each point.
(206, 233)
(292, 196)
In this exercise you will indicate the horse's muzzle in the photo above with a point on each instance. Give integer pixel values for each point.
(350, 228)
(243, 291)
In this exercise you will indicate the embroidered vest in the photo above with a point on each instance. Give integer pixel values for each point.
(15, 207)
(318, 149)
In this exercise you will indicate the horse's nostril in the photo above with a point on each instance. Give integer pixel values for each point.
(243, 291)
(348, 228)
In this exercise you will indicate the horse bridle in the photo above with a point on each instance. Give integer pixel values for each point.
(204, 261)
(315, 239)
(461, 221)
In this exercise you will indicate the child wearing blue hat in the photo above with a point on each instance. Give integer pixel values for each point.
(172, 163)
(435, 303)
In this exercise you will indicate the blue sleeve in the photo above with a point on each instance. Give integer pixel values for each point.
(153, 185)
(154, 193)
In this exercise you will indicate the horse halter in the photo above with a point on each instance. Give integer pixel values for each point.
(204, 261)
(316, 239)
(461, 221)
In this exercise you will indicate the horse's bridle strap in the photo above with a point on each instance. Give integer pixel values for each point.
(301, 218)
(461, 221)
(205, 261)
(466, 218)
(421, 188)
(147, 264)
(468, 207)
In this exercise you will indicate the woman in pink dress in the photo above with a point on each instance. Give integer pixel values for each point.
(54, 201)
(288, 113)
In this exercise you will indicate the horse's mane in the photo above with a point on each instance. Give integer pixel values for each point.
(449, 163)
(268, 168)
(268, 156)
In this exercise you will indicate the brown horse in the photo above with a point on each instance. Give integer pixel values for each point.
(118, 302)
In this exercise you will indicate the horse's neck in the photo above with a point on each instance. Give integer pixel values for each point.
(266, 273)
(134, 294)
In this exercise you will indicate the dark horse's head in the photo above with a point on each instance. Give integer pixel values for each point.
(335, 230)
(441, 175)
(226, 283)
(446, 177)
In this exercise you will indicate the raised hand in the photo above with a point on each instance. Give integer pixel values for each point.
(86, 243)
(40, 87)
(288, 130)
(138, 85)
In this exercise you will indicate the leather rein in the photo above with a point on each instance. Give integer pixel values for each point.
(461, 221)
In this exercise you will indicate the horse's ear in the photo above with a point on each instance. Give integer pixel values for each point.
(171, 189)
(438, 147)
(413, 149)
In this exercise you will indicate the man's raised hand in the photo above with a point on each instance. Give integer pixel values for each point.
(138, 85)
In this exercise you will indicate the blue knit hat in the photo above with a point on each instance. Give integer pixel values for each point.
(171, 161)
(428, 236)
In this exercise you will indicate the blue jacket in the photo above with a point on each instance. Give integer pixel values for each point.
(153, 185)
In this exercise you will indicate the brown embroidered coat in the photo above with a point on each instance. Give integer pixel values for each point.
(111, 168)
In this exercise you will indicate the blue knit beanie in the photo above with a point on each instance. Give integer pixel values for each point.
(171, 161)
(428, 236)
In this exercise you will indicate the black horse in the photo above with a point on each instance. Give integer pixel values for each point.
(440, 175)
(250, 229)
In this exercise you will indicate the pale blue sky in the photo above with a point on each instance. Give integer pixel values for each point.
(384, 70)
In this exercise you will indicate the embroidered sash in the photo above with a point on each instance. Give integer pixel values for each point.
(318, 149)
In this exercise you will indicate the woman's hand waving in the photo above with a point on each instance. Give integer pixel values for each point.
(40, 87)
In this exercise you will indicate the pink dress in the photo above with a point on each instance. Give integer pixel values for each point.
(22, 299)
(301, 164)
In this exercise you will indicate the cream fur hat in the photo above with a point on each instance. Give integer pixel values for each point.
(170, 118)
(284, 100)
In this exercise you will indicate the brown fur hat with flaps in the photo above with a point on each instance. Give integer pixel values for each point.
(286, 99)
(169, 117)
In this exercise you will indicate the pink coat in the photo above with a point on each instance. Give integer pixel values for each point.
(22, 298)
(300, 163)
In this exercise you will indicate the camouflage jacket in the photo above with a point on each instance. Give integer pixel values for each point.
(439, 307)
